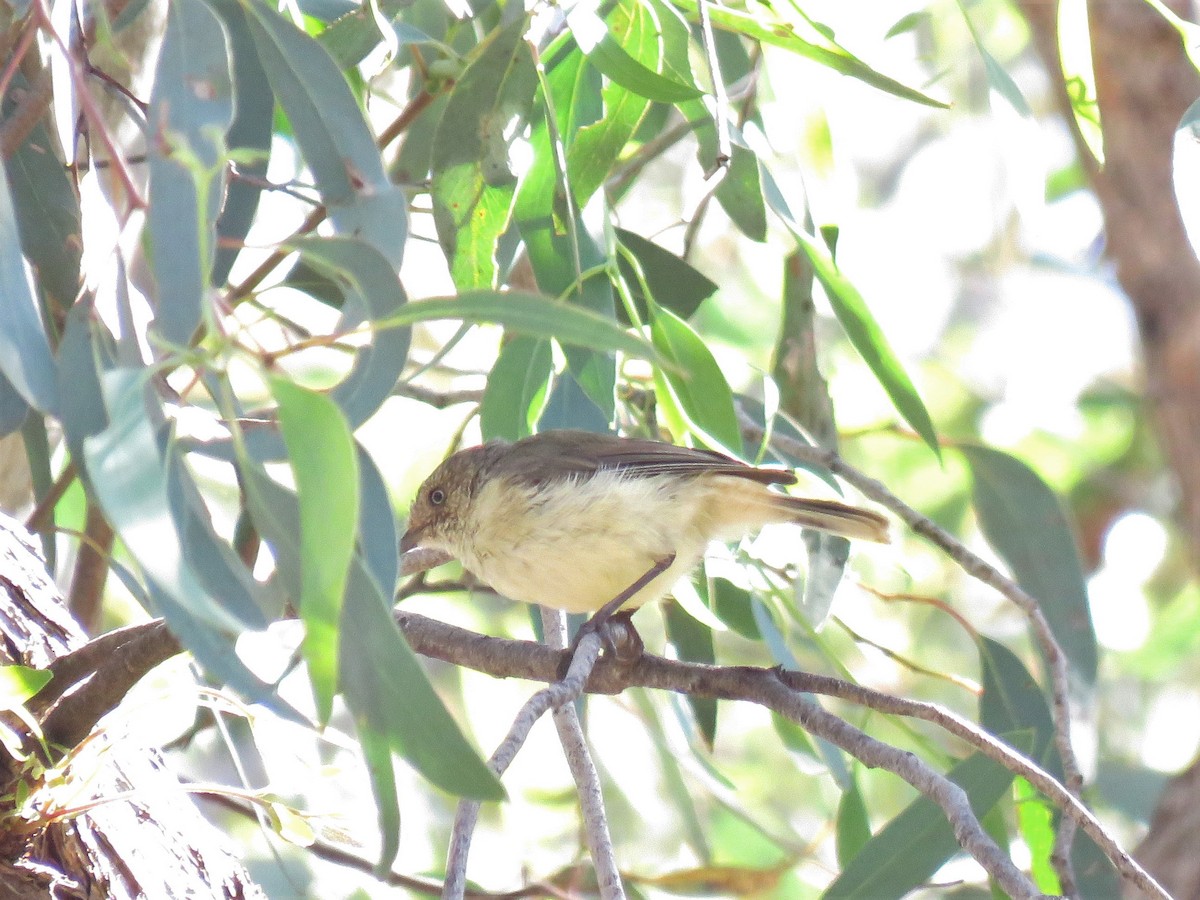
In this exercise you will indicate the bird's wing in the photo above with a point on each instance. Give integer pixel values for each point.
(553, 455)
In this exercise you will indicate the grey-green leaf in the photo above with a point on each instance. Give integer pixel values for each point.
(1023, 519)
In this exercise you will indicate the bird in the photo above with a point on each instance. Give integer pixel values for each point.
(571, 519)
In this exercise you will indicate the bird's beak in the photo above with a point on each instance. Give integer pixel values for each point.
(411, 540)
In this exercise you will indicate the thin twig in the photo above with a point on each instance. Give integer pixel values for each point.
(551, 697)
(975, 566)
(720, 100)
(583, 770)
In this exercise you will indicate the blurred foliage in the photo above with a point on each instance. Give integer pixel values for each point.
(332, 246)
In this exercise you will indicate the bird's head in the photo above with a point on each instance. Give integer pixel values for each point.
(440, 513)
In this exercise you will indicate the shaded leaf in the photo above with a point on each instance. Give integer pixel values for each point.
(333, 135)
(25, 358)
(516, 389)
(733, 606)
(1024, 521)
(906, 852)
(322, 454)
(46, 207)
(569, 407)
(853, 824)
(191, 108)
(129, 475)
(1013, 701)
(377, 537)
(672, 282)
(694, 643)
(249, 136)
(999, 79)
(373, 293)
(13, 407)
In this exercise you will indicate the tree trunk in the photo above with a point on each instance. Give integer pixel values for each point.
(1144, 84)
(151, 844)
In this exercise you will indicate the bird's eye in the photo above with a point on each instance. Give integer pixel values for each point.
(437, 496)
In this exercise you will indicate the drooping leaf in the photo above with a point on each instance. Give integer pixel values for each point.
(377, 537)
(802, 37)
(129, 475)
(1001, 82)
(322, 454)
(1025, 523)
(860, 326)
(46, 207)
(332, 134)
(695, 384)
(694, 643)
(191, 108)
(13, 407)
(626, 50)
(373, 294)
(25, 358)
(249, 137)
(1013, 701)
(569, 407)
(516, 389)
(474, 184)
(853, 824)
(907, 851)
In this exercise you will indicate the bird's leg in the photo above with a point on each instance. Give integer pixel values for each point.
(626, 643)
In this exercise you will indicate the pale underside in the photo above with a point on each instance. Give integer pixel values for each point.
(576, 544)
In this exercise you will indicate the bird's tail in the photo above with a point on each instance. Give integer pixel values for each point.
(836, 518)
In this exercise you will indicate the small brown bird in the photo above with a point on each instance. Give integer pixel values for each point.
(570, 519)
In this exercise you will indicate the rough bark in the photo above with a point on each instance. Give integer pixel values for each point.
(1144, 84)
(153, 845)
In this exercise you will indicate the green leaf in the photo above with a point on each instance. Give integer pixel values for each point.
(46, 206)
(673, 283)
(332, 134)
(372, 291)
(626, 49)
(129, 475)
(516, 389)
(570, 407)
(997, 77)
(13, 408)
(740, 192)
(805, 39)
(354, 35)
(695, 383)
(853, 824)
(25, 358)
(389, 693)
(733, 606)
(1013, 701)
(249, 135)
(19, 683)
(694, 643)
(529, 314)
(1035, 822)
(381, 771)
(1023, 520)
(474, 184)
(860, 326)
(377, 535)
(191, 108)
(322, 454)
(906, 852)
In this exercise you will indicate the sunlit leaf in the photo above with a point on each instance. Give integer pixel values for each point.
(1024, 521)
(694, 381)
(801, 37)
(322, 453)
(19, 683)
(474, 184)
(626, 49)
